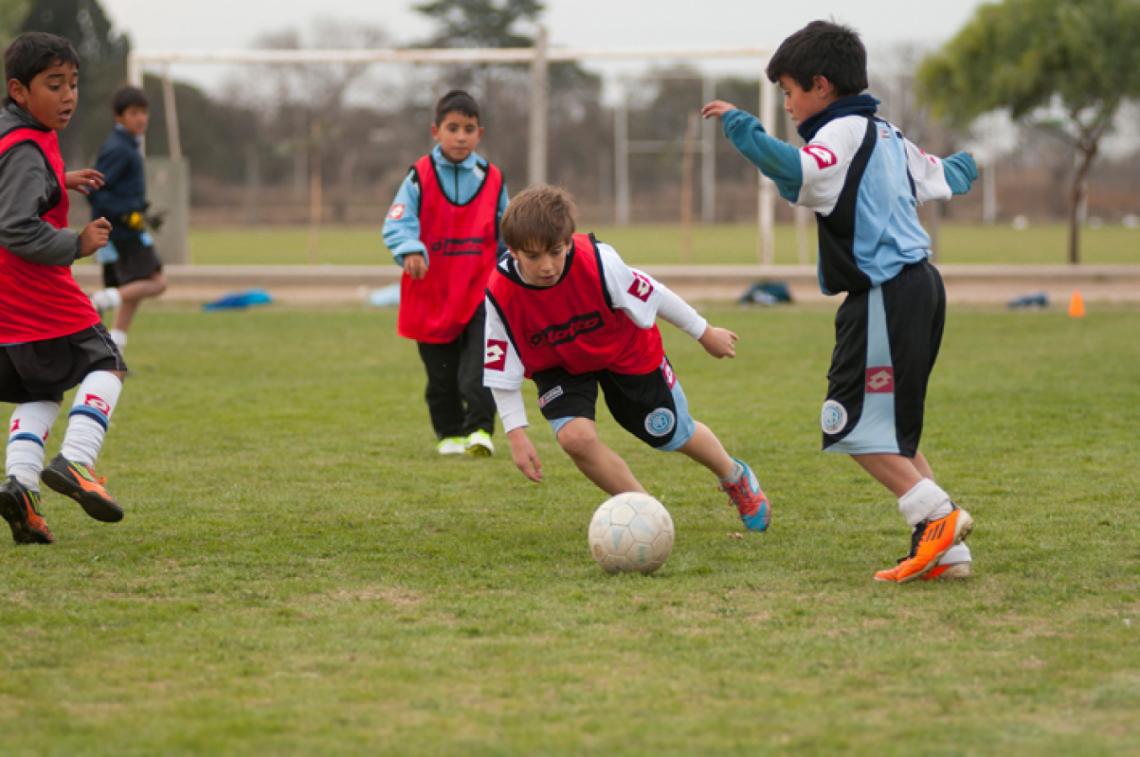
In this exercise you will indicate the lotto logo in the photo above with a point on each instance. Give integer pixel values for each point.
(670, 377)
(641, 287)
(396, 212)
(880, 380)
(823, 157)
(495, 357)
(15, 425)
(550, 396)
(97, 402)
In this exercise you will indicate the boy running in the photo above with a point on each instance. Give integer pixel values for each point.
(50, 335)
(132, 270)
(864, 180)
(566, 311)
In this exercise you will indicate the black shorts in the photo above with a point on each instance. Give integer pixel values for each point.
(137, 260)
(886, 342)
(651, 406)
(44, 370)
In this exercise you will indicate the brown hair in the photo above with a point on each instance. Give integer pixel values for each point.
(539, 218)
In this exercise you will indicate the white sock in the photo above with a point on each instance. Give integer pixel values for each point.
(90, 416)
(924, 501)
(106, 299)
(27, 433)
(119, 337)
(959, 553)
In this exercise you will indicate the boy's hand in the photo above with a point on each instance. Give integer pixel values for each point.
(716, 109)
(87, 180)
(719, 342)
(415, 265)
(524, 454)
(94, 236)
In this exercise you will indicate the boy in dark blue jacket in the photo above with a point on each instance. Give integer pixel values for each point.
(131, 268)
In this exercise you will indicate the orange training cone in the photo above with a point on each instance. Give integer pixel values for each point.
(1076, 305)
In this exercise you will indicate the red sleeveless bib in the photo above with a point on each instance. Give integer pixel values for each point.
(462, 244)
(571, 324)
(39, 301)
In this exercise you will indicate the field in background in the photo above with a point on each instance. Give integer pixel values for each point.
(299, 573)
(647, 245)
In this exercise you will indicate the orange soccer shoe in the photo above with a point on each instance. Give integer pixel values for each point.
(79, 482)
(955, 562)
(20, 507)
(931, 540)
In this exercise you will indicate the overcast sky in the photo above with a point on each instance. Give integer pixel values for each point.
(620, 24)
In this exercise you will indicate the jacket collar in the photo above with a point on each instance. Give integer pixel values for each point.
(852, 105)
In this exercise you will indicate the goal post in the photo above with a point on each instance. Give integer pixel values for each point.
(538, 58)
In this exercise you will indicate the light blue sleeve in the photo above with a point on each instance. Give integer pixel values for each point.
(402, 224)
(961, 171)
(777, 160)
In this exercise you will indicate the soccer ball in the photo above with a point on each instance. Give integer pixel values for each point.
(631, 532)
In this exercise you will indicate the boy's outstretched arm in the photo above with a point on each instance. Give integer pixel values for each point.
(777, 160)
(939, 178)
(644, 298)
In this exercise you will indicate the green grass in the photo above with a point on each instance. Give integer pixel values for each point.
(299, 574)
(662, 244)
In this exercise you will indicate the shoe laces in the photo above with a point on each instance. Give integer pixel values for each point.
(741, 494)
(93, 475)
(915, 538)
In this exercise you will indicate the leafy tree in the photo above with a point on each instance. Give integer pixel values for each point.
(582, 127)
(102, 67)
(480, 23)
(1064, 66)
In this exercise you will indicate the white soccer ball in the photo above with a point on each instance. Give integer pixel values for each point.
(631, 532)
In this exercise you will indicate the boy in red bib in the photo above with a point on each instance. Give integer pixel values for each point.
(443, 229)
(565, 311)
(50, 335)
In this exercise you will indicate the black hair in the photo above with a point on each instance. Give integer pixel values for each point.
(33, 52)
(126, 97)
(456, 101)
(822, 48)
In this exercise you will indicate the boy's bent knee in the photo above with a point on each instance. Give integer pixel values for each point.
(577, 436)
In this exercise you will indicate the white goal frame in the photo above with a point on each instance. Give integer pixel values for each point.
(538, 57)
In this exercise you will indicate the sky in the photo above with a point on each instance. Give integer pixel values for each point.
(617, 24)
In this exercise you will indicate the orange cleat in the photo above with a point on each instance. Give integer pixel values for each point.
(79, 482)
(928, 539)
(20, 506)
(935, 539)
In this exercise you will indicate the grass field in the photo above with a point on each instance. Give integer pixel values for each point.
(662, 244)
(298, 573)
